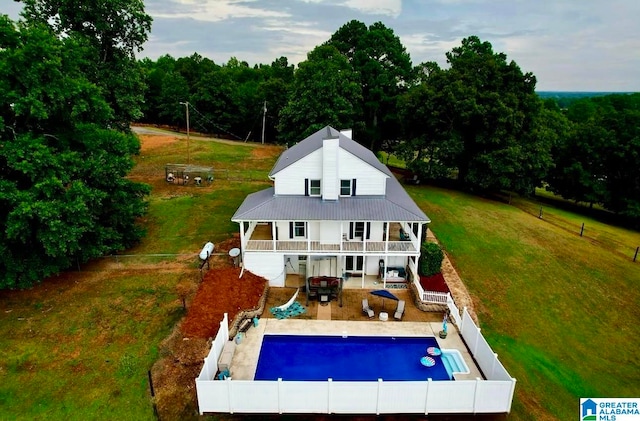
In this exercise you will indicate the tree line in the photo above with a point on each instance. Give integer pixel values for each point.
(70, 85)
(478, 121)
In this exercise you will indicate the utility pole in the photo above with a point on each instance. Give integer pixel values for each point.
(186, 104)
(264, 116)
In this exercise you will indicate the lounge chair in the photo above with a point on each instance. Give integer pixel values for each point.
(399, 310)
(366, 309)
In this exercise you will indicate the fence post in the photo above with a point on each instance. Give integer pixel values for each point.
(153, 394)
(582, 230)
(540, 215)
(636, 256)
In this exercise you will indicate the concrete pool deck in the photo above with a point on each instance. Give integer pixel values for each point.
(247, 352)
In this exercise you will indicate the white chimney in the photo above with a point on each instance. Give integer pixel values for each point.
(348, 133)
(329, 183)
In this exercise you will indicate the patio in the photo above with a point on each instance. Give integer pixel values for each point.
(348, 318)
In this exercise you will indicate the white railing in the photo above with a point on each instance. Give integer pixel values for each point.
(493, 395)
(373, 247)
(434, 297)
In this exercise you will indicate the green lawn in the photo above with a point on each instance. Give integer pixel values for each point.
(559, 310)
(78, 346)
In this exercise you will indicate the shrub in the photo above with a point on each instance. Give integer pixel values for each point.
(430, 259)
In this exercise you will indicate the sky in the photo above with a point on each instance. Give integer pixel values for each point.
(569, 45)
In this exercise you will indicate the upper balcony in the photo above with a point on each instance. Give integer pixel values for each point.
(400, 242)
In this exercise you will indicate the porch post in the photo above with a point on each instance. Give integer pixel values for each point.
(365, 234)
(364, 268)
(273, 234)
(386, 237)
(242, 242)
(419, 236)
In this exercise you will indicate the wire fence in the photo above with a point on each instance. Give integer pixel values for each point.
(591, 232)
(239, 175)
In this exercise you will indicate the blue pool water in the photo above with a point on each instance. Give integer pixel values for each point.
(353, 358)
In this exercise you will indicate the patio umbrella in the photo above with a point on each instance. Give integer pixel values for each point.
(384, 294)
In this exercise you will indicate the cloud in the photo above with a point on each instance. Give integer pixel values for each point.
(211, 10)
(391, 8)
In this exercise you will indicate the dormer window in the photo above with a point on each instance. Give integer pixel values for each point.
(314, 187)
(345, 187)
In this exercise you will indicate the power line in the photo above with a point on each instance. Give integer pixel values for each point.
(213, 124)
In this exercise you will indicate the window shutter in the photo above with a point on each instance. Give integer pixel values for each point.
(368, 230)
(351, 230)
(353, 187)
(290, 229)
(306, 187)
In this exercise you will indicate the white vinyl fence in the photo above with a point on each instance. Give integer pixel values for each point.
(493, 395)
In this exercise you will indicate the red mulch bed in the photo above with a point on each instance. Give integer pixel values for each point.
(434, 283)
(221, 291)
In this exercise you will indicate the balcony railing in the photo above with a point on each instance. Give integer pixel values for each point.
(345, 246)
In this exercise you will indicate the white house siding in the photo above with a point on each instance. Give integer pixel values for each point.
(376, 232)
(330, 181)
(291, 179)
(312, 229)
(396, 261)
(370, 180)
(268, 265)
(329, 232)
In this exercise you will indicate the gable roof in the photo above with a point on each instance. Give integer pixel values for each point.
(397, 205)
(315, 141)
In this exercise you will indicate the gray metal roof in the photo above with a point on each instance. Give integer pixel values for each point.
(396, 206)
(314, 142)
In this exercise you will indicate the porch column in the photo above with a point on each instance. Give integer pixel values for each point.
(364, 268)
(242, 242)
(419, 235)
(306, 231)
(384, 274)
(273, 234)
(365, 234)
(386, 237)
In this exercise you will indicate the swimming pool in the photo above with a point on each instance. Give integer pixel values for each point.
(349, 358)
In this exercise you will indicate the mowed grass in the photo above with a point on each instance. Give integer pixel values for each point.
(561, 311)
(78, 346)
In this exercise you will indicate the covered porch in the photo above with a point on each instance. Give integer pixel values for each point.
(263, 236)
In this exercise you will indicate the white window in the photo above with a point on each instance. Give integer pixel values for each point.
(314, 187)
(298, 229)
(354, 263)
(345, 187)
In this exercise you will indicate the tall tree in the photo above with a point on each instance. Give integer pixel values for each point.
(325, 91)
(383, 67)
(111, 32)
(481, 116)
(63, 195)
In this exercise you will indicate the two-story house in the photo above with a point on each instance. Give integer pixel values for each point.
(334, 210)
